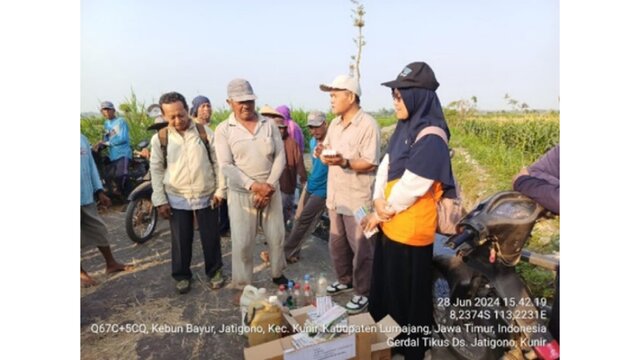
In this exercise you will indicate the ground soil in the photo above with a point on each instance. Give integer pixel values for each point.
(146, 296)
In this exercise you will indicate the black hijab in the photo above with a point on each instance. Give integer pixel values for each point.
(429, 156)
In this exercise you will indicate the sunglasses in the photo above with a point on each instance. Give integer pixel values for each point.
(396, 96)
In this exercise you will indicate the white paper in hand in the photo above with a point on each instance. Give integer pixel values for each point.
(360, 214)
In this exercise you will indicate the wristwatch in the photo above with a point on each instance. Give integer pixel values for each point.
(346, 164)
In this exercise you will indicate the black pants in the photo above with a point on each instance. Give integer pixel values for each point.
(401, 287)
(182, 242)
(223, 223)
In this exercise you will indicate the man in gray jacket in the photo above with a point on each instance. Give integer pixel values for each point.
(183, 177)
(251, 156)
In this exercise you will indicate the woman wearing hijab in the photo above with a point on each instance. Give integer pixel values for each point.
(413, 175)
(201, 110)
(293, 128)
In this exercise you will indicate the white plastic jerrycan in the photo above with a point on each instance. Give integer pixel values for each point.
(249, 295)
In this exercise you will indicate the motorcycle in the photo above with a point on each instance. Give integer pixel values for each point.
(137, 169)
(141, 216)
(482, 308)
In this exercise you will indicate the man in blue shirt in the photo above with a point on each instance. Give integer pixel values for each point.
(314, 195)
(93, 231)
(117, 139)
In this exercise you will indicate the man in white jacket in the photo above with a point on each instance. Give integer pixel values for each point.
(183, 176)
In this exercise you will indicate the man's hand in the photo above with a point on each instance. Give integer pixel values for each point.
(262, 189)
(144, 153)
(369, 222)
(260, 202)
(97, 145)
(103, 199)
(217, 201)
(165, 211)
(318, 151)
(337, 159)
(523, 172)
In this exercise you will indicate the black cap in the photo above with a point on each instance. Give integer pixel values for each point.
(416, 74)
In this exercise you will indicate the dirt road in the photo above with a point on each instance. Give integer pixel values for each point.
(139, 315)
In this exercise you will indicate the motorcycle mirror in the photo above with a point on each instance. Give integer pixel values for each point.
(143, 144)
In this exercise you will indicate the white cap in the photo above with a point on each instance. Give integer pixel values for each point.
(343, 82)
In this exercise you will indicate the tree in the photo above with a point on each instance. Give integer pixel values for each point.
(464, 107)
(358, 22)
(516, 105)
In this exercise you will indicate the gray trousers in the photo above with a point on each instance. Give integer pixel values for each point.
(351, 252)
(244, 219)
(312, 208)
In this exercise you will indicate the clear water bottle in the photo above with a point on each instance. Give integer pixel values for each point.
(297, 297)
(322, 285)
(282, 295)
(307, 281)
(309, 297)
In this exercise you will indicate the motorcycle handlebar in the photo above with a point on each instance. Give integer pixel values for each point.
(464, 237)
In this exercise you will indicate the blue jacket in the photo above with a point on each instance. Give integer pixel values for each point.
(117, 138)
(89, 177)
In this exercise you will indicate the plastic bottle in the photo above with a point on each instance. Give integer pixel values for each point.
(322, 285)
(250, 294)
(298, 301)
(264, 314)
(273, 300)
(309, 298)
(282, 295)
(290, 302)
(307, 281)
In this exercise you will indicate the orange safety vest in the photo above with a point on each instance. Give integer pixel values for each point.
(416, 226)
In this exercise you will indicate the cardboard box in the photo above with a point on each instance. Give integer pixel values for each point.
(367, 341)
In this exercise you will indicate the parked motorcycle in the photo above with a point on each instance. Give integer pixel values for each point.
(482, 308)
(137, 169)
(141, 217)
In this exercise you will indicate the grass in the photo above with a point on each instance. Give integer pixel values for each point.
(490, 150)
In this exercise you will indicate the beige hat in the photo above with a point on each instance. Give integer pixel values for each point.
(240, 90)
(316, 118)
(343, 82)
(268, 110)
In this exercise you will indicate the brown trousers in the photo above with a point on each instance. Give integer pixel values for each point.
(351, 252)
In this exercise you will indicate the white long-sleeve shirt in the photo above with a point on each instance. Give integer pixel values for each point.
(405, 192)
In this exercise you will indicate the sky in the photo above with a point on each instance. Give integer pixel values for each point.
(287, 48)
